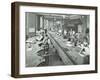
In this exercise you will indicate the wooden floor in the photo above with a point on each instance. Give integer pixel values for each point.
(54, 60)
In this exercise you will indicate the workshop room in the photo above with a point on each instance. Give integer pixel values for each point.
(53, 39)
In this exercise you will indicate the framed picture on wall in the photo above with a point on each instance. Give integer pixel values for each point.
(53, 39)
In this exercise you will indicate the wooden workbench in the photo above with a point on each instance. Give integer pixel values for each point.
(70, 55)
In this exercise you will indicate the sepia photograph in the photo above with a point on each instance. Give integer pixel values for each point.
(56, 39)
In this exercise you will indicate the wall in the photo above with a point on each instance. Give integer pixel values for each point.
(30, 22)
(84, 25)
(5, 40)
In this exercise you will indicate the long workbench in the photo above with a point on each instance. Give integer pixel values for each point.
(70, 55)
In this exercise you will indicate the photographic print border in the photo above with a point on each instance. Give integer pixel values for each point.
(15, 39)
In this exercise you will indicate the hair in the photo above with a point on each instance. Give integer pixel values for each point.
(87, 30)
